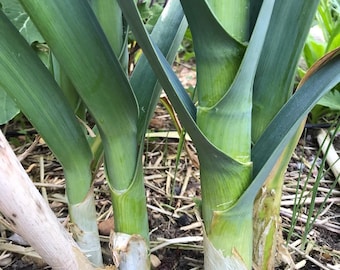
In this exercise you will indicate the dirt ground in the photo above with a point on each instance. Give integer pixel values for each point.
(174, 220)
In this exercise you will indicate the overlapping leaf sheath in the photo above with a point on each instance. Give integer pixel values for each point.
(227, 167)
(224, 85)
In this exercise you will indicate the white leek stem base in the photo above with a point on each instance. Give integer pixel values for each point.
(85, 229)
(332, 157)
(129, 251)
(214, 259)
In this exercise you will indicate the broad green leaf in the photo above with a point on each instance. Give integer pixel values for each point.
(231, 104)
(218, 54)
(313, 51)
(334, 40)
(274, 79)
(98, 78)
(110, 18)
(21, 20)
(8, 108)
(274, 139)
(27, 81)
(331, 100)
(225, 12)
(167, 34)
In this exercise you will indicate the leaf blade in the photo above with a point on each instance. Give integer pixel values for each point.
(274, 79)
(31, 86)
(271, 144)
(99, 78)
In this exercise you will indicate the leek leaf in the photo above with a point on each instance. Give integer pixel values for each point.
(33, 89)
(143, 79)
(274, 139)
(8, 108)
(99, 79)
(286, 36)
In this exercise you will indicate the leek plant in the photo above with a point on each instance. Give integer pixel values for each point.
(49, 111)
(246, 117)
(243, 126)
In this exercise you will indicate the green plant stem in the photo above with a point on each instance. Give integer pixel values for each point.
(130, 207)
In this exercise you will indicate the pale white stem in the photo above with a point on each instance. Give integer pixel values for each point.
(32, 218)
(332, 157)
(215, 260)
(129, 251)
(85, 230)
